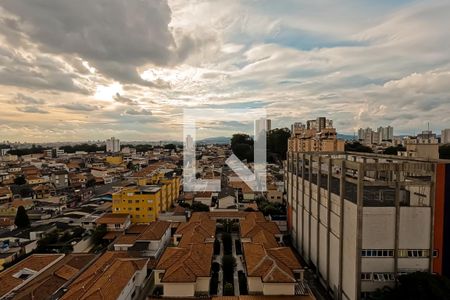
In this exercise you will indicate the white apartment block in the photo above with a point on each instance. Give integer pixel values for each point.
(113, 145)
(445, 136)
(360, 220)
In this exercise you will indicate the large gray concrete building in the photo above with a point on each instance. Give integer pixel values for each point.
(361, 220)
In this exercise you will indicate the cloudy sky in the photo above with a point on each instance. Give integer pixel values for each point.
(91, 69)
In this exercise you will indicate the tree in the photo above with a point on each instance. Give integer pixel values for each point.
(357, 147)
(170, 147)
(98, 234)
(394, 150)
(228, 266)
(416, 286)
(444, 151)
(242, 146)
(277, 142)
(20, 180)
(22, 220)
(227, 243)
(198, 206)
(228, 289)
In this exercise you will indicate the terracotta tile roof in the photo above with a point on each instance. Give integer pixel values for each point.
(136, 229)
(272, 265)
(36, 263)
(66, 272)
(126, 239)
(105, 278)
(262, 297)
(4, 222)
(154, 231)
(111, 235)
(148, 170)
(186, 264)
(112, 219)
(265, 238)
(198, 229)
(179, 211)
(254, 223)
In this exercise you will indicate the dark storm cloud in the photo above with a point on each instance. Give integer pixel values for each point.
(115, 36)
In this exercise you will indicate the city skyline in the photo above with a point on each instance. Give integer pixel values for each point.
(78, 71)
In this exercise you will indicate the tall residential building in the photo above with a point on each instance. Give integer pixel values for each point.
(445, 136)
(113, 145)
(362, 220)
(262, 124)
(316, 135)
(368, 136)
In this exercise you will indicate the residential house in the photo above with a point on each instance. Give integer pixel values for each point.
(114, 222)
(5, 194)
(114, 275)
(147, 240)
(50, 282)
(17, 276)
(60, 179)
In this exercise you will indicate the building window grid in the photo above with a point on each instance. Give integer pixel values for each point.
(390, 253)
(377, 276)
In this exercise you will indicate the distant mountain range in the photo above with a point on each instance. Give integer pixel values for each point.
(215, 140)
(346, 137)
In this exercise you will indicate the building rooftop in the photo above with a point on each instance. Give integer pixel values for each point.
(186, 264)
(105, 278)
(113, 218)
(273, 265)
(51, 280)
(25, 270)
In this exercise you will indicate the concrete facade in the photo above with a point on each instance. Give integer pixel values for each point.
(360, 220)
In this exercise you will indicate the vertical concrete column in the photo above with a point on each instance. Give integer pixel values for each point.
(359, 225)
(319, 174)
(329, 178)
(303, 205)
(433, 207)
(341, 226)
(397, 216)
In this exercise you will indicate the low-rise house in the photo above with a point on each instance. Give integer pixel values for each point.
(5, 194)
(203, 197)
(114, 275)
(47, 284)
(254, 223)
(200, 228)
(185, 271)
(271, 271)
(7, 223)
(60, 179)
(146, 240)
(17, 276)
(114, 222)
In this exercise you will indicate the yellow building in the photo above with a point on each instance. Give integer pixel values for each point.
(114, 160)
(141, 202)
(170, 189)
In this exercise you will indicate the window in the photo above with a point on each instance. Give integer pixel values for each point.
(414, 253)
(377, 253)
(136, 201)
(137, 208)
(149, 209)
(130, 201)
(366, 276)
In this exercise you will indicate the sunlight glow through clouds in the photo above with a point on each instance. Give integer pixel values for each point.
(107, 92)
